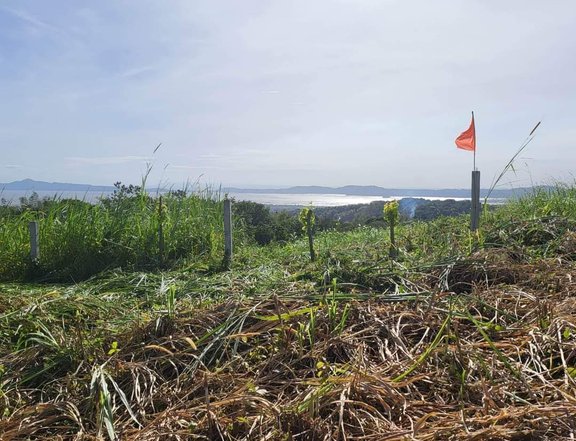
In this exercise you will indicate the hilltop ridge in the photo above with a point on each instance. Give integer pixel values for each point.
(356, 190)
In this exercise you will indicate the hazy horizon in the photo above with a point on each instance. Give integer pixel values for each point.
(485, 185)
(278, 94)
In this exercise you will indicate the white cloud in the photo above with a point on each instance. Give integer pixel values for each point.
(137, 71)
(105, 160)
(31, 20)
(196, 167)
(370, 92)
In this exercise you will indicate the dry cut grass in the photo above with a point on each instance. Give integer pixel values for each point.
(495, 361)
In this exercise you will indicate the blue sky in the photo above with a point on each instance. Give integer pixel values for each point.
(275, 93)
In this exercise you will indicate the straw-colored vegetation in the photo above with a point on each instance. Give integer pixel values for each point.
(461, 336)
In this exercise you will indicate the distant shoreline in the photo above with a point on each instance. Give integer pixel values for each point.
(277, 201)
(345, 195)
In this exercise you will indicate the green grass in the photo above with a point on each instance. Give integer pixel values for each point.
(462, 335)
(540, 224)
(78, 240)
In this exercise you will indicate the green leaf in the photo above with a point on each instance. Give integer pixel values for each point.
(113, 348)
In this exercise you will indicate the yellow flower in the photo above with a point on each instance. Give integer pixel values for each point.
(391, 211)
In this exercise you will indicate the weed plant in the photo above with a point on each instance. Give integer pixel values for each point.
(540, 224)
(78, 239)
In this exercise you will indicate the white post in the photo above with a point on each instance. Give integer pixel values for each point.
(227, 233)
(160, 231)
(475, 203)
(34, 241)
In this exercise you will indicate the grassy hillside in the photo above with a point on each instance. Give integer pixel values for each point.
(463, 336)
(78, 239)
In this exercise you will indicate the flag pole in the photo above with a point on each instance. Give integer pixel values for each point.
(474, 160)
(467, 141)
(475, 193)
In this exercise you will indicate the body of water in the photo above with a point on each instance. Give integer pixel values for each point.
(13, 196)
(315, 200)
(318, 200)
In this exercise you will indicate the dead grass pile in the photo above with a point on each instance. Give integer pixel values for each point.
(496, 364)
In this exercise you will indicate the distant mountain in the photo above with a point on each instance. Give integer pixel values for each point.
(372, 190)
(351, 190)
(31, 185)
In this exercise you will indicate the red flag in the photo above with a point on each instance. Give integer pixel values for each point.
(467, 139)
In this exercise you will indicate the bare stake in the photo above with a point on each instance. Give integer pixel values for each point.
(34, 242)
(227, 233)
(160, 231)
(475, 203)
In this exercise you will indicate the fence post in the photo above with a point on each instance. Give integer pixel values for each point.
(160, 231)
(34, 241)
(227, 233)
(475, 203)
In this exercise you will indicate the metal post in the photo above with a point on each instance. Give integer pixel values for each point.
(34, 241)
(475, 202)
(160, 231)
(227, 233)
